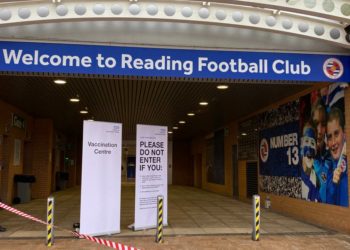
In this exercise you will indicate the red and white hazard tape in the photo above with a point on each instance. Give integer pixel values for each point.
(20, 213)
(107, 243)
(103, 242)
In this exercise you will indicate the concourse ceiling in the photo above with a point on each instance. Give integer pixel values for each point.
(293, 25)
(132, 101)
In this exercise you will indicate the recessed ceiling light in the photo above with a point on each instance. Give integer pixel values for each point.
(74, 99)
(84, 111)
(222, 86)
(191, 114)
(170, 132)
(175, 127)
(182, 122)
(203, 103)
(244, 134)
(60, 81)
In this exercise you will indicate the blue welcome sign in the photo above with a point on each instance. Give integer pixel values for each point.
(190, 63)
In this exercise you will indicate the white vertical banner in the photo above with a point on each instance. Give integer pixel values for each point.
(151, 175)
(101, 178)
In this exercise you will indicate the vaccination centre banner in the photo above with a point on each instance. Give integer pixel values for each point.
(303, 148)
(151, 175)
(101, 178)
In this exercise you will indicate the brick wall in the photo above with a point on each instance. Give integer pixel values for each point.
(55, 167)
(42, 147)
(6, 184)
(9, 135)
(242, 180)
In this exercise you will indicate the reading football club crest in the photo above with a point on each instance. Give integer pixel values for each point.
(333, 68)
(264, 150)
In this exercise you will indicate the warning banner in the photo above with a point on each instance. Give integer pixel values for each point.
(151, 174)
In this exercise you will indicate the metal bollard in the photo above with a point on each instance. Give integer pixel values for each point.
(159, 234)
(50, 220)
(256, 218)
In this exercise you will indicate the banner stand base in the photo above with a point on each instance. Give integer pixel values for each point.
(107, 233)
(144, 228)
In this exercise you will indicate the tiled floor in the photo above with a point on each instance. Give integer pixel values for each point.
(191, 212)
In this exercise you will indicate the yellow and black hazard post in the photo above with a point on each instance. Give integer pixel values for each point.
(256, 217)
(159, 235)
(50, 229)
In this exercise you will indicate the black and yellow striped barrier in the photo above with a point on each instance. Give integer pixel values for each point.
(159, 235)
(256, 217)
(50, 227)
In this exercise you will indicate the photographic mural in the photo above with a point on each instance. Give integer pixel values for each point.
(302, 149)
